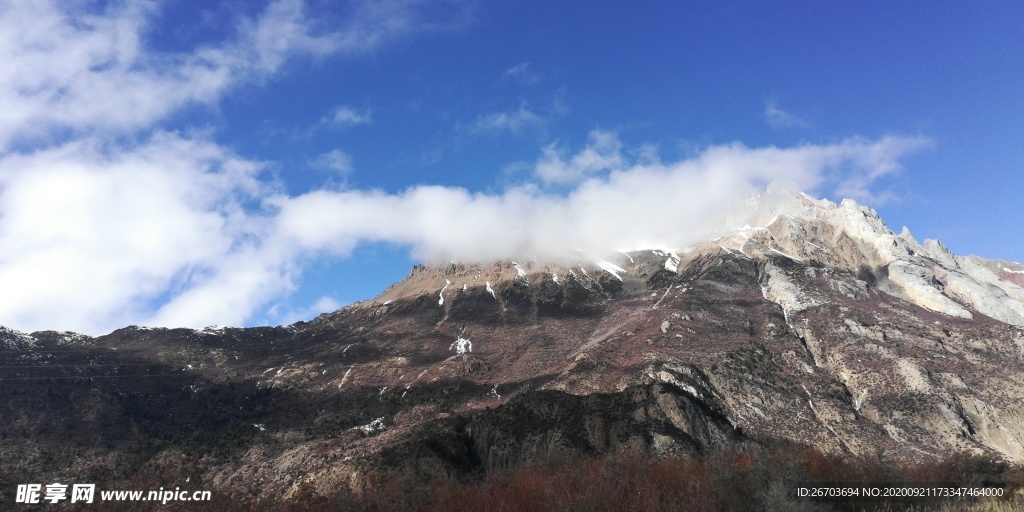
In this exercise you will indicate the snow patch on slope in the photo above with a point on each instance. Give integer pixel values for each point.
(462, 346)
(585, 273)
(440, 301)
(372, 427)
(11, 339)
(790, 256)
(519, 269)
(611, 268)
(672, 263)
(344, 378)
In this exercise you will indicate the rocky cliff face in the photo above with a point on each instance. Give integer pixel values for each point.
(812, 323)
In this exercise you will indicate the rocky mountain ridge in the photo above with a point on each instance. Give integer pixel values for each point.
(846, 237)
(813, 323)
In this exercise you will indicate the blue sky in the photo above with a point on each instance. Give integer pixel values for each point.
(261, 162)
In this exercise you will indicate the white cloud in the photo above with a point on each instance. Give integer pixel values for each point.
(322, 305)
(181, 232)
(514, 121)
(779, 118)
(105, 220)
(628, 206)
(877, 159)
(73, 66)
(344, 116)
(90, 235)
(602, 154)
(161, 228)
(325, 305)
(376, 22)
(334, 160)
(521, 74)
(66, 65)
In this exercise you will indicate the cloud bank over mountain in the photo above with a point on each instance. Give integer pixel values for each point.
(612, 203)
(107, 218)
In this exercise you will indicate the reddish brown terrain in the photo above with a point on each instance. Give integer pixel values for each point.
(807, 331)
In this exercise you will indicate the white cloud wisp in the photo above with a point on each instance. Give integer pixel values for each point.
(628, 206)
(106, 219)
(513, 121)
(92, 237)
(182, 232)
(75, 66)
(779, 118)
(345, 116)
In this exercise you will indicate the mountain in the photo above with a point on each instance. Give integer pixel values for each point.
(808, 322)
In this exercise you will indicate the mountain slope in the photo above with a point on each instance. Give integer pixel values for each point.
(813, 323)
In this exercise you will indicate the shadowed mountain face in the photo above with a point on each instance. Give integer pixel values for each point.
(818, 326)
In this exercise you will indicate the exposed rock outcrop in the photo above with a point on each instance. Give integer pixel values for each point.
(813, 323)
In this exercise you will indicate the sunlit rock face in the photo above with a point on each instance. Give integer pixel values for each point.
(805, 320)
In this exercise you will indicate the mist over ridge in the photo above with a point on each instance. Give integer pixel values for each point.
(197, 252)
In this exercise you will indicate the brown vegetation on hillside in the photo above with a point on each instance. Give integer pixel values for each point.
(753, 479)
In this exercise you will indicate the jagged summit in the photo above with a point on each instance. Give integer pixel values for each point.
(847, 237)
